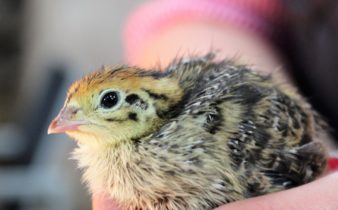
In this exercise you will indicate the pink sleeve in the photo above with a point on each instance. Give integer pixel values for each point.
(258, 16)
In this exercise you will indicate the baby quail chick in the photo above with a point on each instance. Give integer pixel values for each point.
(197, 135)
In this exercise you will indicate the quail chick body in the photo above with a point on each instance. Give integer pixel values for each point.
(197, 135)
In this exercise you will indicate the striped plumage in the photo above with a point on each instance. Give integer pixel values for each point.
(197, 135)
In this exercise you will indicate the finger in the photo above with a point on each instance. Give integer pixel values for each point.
(320, 194)
(101, 201)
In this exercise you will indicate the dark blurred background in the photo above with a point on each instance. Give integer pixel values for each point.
(45, 45)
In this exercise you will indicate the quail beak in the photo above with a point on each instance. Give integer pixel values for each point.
(66, 121)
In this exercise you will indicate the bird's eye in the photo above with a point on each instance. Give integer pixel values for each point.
(109, 99)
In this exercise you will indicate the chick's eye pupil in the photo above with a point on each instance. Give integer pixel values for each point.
(109, 100)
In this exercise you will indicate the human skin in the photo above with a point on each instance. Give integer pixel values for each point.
(247, 48)
(318, 195)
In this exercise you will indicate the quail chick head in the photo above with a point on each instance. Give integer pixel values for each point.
(199, 134)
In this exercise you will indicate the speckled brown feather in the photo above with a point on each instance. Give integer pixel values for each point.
(224, 134)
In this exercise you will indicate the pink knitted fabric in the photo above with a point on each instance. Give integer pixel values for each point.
(258, 16)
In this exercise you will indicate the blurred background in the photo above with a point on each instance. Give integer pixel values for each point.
(45, 45)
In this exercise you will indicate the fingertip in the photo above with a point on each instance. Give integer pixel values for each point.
(101, 201)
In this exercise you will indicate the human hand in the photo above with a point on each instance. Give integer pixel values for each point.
(317, 195)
